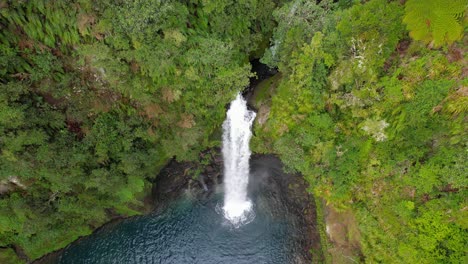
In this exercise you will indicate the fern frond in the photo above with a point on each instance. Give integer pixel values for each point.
(439, 21)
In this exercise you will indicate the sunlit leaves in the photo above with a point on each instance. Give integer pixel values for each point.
(392, 148)
(439, 21)
(297, 23)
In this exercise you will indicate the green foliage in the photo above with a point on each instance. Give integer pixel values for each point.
(297, 23)
(436, 20)
(48, 22)
(370, 33)
(8, 256)
(369, 119)
(96, 96)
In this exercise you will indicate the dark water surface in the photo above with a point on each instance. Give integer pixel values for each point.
(192, 231)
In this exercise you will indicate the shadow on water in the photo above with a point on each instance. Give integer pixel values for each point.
(190, 230)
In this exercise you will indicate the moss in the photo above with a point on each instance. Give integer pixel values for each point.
(8, 256)
(265, 90)
(321, 227)
(53, 240)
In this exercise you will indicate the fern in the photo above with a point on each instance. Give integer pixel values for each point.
(50, 22)
(440, 21)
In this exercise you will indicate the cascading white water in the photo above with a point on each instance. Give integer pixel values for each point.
(236, 154)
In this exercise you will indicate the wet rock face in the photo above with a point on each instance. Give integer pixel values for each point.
(288, 194)
(4, 188)
(262, 72)
(263, 113)
(181, 177)
(171, 179)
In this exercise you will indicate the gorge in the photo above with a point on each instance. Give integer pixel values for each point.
(111, 123)
(240, 221)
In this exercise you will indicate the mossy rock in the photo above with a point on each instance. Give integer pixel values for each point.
(8, 256)
(264, 91)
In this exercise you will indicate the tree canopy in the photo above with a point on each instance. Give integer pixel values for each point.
(369, 105)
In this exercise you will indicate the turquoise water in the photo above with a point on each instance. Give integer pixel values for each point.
(192, 231)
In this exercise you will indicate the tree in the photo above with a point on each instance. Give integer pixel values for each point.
(438, 21)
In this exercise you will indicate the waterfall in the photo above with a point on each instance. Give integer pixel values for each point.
(236, 154)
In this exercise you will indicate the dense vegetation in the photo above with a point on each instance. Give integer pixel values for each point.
(376, 122)
(96, 96)
(370, 106)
